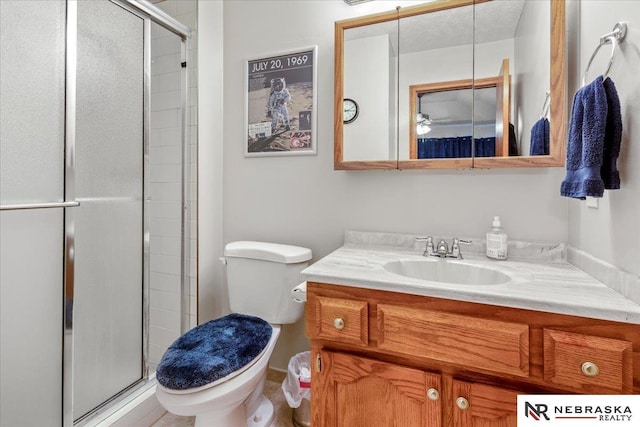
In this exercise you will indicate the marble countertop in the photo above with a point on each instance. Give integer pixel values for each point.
(541, 278)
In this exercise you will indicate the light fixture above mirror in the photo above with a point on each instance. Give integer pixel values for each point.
(352, 2)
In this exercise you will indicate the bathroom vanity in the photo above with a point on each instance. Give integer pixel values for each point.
(386, 346)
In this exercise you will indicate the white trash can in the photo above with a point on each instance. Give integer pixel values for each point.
(297, 388)
(302, 414)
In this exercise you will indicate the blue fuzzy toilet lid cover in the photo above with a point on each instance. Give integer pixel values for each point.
(213, 351)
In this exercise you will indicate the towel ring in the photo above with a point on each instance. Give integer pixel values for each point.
(545, 106)
(614, 37)
(614, 43)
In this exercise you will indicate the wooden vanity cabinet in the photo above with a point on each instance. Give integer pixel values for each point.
(476, 404)
(360, 391)
(391, 359)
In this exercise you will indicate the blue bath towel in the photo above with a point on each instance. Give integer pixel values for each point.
(612, 138)
(212, 351)
(540, 138)
(585, 148)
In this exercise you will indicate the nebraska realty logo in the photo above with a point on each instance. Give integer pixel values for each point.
(578, 410)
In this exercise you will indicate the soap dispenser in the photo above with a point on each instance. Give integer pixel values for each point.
(496, 240)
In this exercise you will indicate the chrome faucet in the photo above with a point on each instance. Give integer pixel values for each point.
(442, 248)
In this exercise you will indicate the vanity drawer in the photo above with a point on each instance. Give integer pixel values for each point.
(588, 364)
(466, 341)
(342, 320)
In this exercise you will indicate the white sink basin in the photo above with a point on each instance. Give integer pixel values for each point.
(447, 271)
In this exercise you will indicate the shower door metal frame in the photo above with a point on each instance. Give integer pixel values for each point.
(71, 61)
(149, 14)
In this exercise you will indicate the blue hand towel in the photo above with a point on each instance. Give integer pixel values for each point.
(586, 142)
(612, 137)
(540, 138)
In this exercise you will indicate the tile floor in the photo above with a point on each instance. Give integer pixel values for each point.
(272, 389)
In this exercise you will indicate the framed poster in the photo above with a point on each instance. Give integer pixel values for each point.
(280, 109)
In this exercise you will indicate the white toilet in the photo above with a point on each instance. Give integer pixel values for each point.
(260, 279)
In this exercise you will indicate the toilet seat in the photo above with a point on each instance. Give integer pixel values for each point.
(218, 381)
(213, 352)
(223, 397)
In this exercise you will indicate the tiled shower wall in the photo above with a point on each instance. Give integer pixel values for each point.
(166, 180)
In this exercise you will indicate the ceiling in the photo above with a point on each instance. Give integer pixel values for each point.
(494, 20)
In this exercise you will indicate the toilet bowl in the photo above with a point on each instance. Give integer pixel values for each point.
(233, 401)
(260, 277)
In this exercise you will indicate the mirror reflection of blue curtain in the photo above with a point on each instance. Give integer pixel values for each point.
(455, 147)
(485, 147)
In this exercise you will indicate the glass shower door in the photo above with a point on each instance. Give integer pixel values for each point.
(109, 224)
(76, 121)
(32, 118)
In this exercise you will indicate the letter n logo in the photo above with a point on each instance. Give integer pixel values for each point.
(536, 411)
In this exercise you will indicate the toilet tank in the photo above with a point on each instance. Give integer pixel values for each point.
(260, 277)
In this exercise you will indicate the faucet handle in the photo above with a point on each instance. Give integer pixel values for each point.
(455, 247)
(429, 249)
(464, 242)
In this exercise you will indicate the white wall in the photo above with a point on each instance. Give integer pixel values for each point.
(302, 200)
(393, 108)
(612, 232)
(530, 68)
(366, 80)
(211, 291)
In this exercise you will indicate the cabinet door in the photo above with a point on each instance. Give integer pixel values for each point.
(351, 391)
(483, 405)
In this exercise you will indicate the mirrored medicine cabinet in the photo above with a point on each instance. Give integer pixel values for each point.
(452, 84)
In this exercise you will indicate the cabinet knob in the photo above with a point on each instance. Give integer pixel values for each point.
(462, 403)
(433, 394)
(338, 322)
(590, 369)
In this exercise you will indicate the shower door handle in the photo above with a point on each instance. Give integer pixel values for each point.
(70, 204)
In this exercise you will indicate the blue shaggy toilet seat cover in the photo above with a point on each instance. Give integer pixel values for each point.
(212, 351)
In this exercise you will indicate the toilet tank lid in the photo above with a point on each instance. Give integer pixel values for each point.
(274, 252)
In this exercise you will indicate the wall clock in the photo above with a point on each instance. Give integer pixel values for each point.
(350, 110)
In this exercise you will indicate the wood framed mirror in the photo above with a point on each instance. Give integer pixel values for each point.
(469, 48)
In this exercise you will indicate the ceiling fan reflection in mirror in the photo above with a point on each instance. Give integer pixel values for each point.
(422, 120)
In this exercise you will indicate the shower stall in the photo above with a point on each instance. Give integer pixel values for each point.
(97, 203)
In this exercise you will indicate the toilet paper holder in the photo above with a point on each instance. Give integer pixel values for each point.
(299, 293)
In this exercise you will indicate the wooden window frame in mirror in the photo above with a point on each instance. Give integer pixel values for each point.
(557, 110)
(502, 140)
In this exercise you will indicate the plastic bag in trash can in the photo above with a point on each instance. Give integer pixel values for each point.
(297, 385)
